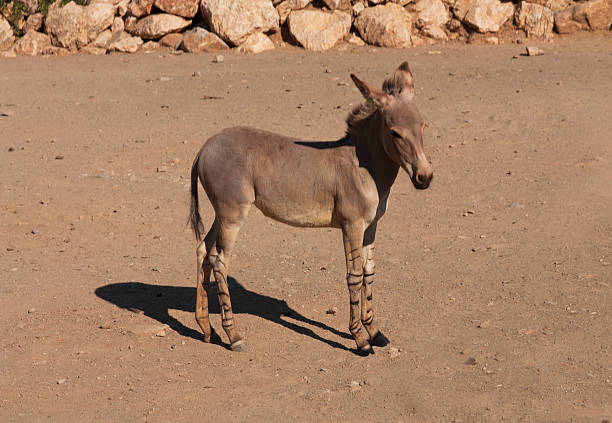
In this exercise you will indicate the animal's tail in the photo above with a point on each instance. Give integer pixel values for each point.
(194, 209)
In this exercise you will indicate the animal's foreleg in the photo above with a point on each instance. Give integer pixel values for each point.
(353, 238)
(367, 313)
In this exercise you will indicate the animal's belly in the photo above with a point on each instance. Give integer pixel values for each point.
(295, 214)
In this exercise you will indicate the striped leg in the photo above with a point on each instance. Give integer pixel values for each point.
(353, 239)
(219, 259)
(367, 315)
(203, 284)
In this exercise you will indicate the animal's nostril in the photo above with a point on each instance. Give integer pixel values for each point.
(419, 178)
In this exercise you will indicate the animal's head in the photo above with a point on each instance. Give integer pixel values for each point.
(403, 126)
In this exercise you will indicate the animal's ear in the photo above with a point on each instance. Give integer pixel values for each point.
(370, 92)
(401, 84)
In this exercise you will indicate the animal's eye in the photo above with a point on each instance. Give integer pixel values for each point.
(395, 134)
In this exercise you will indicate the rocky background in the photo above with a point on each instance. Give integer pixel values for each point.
(57, 27)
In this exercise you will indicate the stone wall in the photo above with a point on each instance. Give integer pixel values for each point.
(253, 26)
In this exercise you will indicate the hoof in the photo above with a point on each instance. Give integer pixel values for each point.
(365, 351)
(238, 346)
(380, 340)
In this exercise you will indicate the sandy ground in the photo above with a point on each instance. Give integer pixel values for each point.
(494, 286)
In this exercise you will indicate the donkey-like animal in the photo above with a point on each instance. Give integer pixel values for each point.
(342, 184)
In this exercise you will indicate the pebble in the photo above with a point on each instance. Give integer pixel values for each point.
(218, 58)
(31, 310)
(196, 74)
(394, 352)
(534, 51)
(59, 382)
(354, 386)
(484, 324)
(470, 361)
(332, 310)
(11, 149)
(59, 157)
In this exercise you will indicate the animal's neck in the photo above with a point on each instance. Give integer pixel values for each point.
(371, 154)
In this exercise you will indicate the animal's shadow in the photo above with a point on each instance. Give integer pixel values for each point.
(156, 300)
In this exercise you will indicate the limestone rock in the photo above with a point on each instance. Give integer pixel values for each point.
(235, 20)
(488, 15)
(31, 7)
(386, 26)
(199, 39)
(149, 46)
(435, 32)
(184, 8)
(172, 40)
(124, 43)
(256, 43)
(535, 20)
(93, 50)
(6, 34)
(140, 8)
(554, 5)
(73, 26)
(355, 40)
(156, 26)
(594, 15)
(431, 13)
(357, 9)
(102, 40)
(318, 30)
(34, 22)
(284, 8)
(32, 44)
(130, 24)
(117, 26)
(338, 4)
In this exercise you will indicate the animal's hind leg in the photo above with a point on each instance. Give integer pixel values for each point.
(219, 258)
(203, 283)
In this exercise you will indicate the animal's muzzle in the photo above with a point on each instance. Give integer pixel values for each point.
(421, 180)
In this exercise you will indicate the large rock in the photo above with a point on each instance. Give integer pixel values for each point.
(256, 43)
(34, 22)
(338, 4)
(235, 20)
(554, 5)
(140, 8)
(431, 13)
(488, 15)
(284, 8)
(594, 15)
(6, 34)
(32, 44)
(185, 8)
(124, 42)
(73, 26)
(318, 30)
(386, 26)
(535, 20)
(156, 26)
(102, 39)
(198, 40)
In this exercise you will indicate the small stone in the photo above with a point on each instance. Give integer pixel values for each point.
(492, 40)
(61, 381)
(31, 310)
(11, 149)
(354, 386)
(470, 212)
(484, 324)
(218, 58)
(161, 333)
(534, 51)
(196, 74)
(59, 157)
(471, 361)
(332, 310)
(394, 352)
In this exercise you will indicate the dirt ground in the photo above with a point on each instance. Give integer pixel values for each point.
(494, 286)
